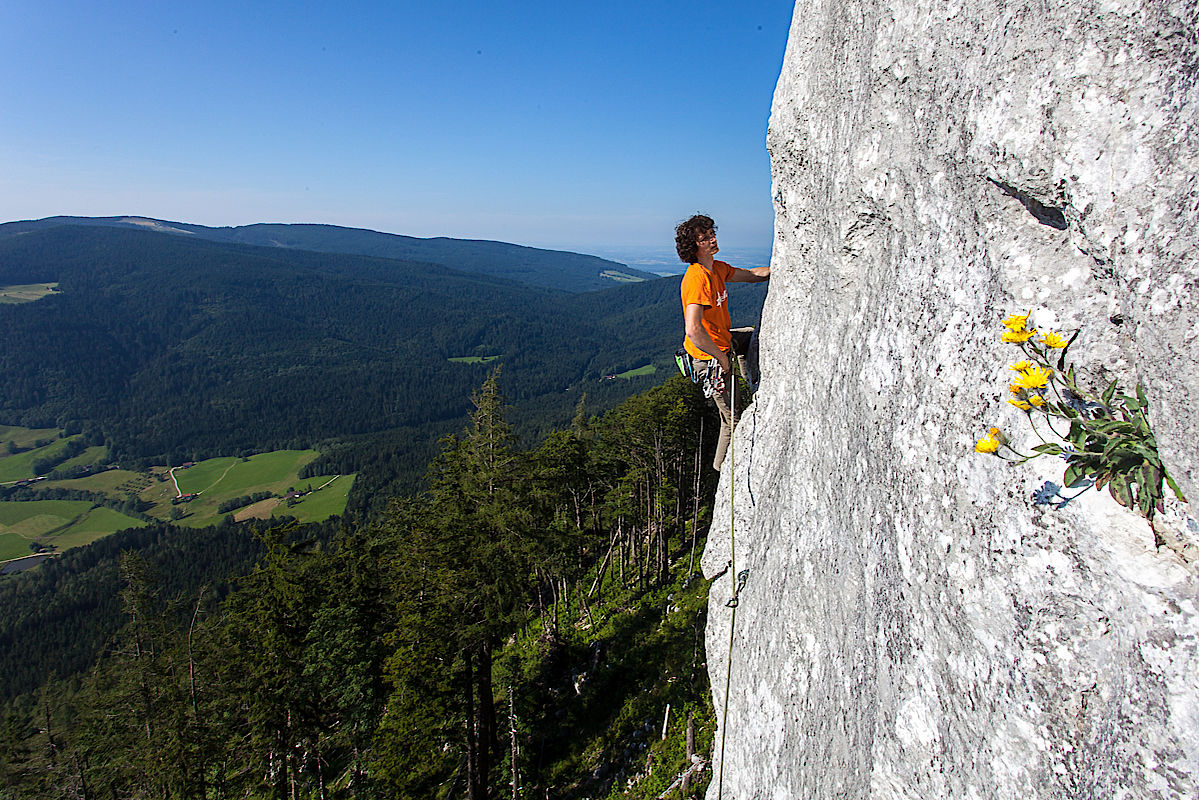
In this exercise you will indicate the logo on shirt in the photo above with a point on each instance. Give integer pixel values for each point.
(722, 298)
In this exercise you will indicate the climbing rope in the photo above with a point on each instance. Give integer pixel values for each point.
(733, 602)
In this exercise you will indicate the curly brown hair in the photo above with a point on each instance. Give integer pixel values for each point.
(686, 234)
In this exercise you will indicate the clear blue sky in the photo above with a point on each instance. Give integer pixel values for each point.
(556, 123)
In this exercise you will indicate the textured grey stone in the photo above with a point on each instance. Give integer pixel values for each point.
(912, 625)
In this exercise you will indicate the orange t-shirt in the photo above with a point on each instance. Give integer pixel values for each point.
(707, 289)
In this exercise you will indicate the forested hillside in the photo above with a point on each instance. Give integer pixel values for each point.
(179, 349)
(529, 626)
(553, 269)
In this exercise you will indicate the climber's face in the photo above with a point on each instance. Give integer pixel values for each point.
(706, 244)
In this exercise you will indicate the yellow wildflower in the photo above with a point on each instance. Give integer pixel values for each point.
(1021, 366)
(1053, 339)
(987, 445)
(1021, 404)
(1034, 377)
(998, 436)
(1017, 337)
(1016, 389)
(1016, 322)
(1036, 400)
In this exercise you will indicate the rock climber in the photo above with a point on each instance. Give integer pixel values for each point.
(710, 339)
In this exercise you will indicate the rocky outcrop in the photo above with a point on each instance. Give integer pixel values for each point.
(912, 625)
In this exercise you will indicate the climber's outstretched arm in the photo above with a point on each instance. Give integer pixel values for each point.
(755, 275)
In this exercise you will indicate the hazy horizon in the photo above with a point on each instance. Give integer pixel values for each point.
(659, 258)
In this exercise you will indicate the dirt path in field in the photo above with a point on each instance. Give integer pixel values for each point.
(326, 483)
(218, 480)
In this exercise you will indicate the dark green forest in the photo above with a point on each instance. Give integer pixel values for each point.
(530, 625)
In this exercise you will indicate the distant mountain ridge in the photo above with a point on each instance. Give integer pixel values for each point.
(554, 269)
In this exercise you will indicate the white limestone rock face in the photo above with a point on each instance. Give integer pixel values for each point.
(912, 625)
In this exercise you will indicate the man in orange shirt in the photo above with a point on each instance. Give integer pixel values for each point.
(710, 338)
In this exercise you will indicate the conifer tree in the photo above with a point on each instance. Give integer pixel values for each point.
(465, 573)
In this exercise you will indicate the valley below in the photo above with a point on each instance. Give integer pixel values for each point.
(85, 499)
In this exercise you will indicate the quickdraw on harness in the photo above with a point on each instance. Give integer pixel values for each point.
(711, 380)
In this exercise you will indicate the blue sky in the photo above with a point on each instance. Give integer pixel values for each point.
(556, 124)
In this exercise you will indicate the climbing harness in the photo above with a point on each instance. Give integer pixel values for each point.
(711, 379)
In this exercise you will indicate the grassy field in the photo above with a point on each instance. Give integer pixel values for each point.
(90, 456)
(275, 471)
(72, 523)
(63, 523)
(219, 479)
(19, 466)
(322, 504)
(621, 277)
(26, 293)
(96, 524)
(25, 437)
(473, 359)
(648, 369)
(13, 545)
(116, 483)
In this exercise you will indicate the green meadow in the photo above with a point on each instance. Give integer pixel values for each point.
(13, 546)
(116, 483)
(275, 471)
(90, 456)
(322, 504)
(25, 437)
(71, 523)
(473, 359)
(20, 465)
(96, 524)
(621, 277)
(648, 369)
(26, 292)
(219, 479)
(62, 523)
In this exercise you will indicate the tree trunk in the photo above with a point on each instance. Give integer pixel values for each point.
(489, 742)
(473, 784)
(554, 590)
(621, 553)
(201, 767)
(515, 748)
(599, 577)
(586, 608)
(690, 752)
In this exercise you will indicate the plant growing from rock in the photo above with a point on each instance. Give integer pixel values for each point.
(1108, 441)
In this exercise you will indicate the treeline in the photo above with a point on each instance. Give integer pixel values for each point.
(516, 628)
(244, 500)
(74, 446)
